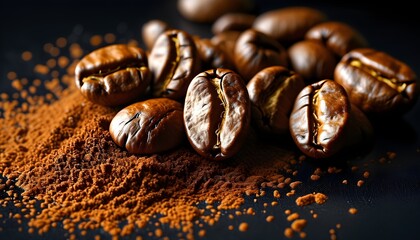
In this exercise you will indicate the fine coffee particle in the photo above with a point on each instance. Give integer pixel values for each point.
(243, 227)
(288, 232)
(298, 225)
(270, 218)
(352, 210)
(307, 199)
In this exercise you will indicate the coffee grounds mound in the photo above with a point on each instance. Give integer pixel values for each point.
(61, 153)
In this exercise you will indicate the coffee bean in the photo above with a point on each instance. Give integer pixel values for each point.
(207, 11)
(113, 75)
(233, 22)
(151, 30)
(174, 61)
(226, 42)
(318, 119)
(272, 92)
(255, 51)
(211, 55)
(288, 24)
(151, 126)
(377, 82)
(337, 36)
(312, 60)
(217, 113)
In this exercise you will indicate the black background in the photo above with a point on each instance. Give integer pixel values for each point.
(388, 204)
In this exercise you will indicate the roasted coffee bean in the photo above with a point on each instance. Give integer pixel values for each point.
(312, 60)
(288, 24)
(272, 92)
(113, 75)
(217, 113)
(151, 30)
(376, 82)
(339, 37)
(255, 51)
(233, 22)
(207, 11)
(211, 55)
(151, 126)
(319, 117)
(226, 42)
(359, 132)
(174, 61)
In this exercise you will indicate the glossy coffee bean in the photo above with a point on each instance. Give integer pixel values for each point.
(217, 113)
(233, 22)
(226, 42)
(151, 126)
(339, 37)
(312, 60)
(113, 75)
(174, 61)
(207, 11)
(151, 30)
(211, 55)
(359, 132)
(288, 24)
(272, 92)
(376, 82)
(255, 51)
(319, 117)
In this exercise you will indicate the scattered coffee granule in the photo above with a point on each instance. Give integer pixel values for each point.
(158, 232)
(352, 210)
(298, 225)
(276, 194)
(61, 42)
(291, 193)
(269, 218)
(250, 211)
(202, 233)
(318, 198)
(333, 235)
(354, 168)
(292, 217)
(333, 170)
(96, 40)
(109, 38)
(41, 69)
(243, 227)
(288, 232)
(345, 181)
(294, 184)
(366, 174)
(315, 177)
(26, 56)
(360, 183)
(391, 155)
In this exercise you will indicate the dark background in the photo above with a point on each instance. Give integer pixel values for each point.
(389, 203)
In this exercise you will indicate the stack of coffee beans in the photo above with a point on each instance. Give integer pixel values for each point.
(288, 72)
